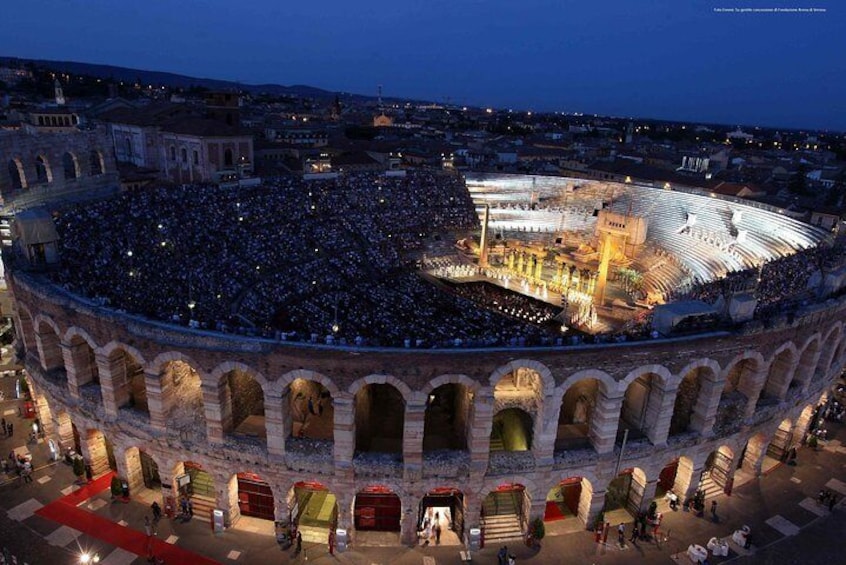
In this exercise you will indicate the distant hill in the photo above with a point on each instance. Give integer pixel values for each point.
(174, 80)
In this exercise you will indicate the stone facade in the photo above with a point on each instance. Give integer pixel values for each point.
(738, 389)
(39, 167)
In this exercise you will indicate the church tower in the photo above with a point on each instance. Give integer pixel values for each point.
(60, 96)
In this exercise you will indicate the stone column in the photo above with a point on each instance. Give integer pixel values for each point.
(649, 490)
(604, 421)
(480, 432)
(592, 510)
(112, 383)
(659, 412)
(170, 490)
(44, 415)
(408, 521)
(274, 421)
(227, 499)
(159, 393)
(344, 433)
(687, 479)
(707, 405)
(412, 437)
(129, 468)
(543, 443)
(77, 366)
(49, 352)
(214, 412)
(754, 456)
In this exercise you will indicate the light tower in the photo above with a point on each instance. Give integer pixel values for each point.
(60, 96)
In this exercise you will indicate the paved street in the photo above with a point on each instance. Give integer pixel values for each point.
(777, 506)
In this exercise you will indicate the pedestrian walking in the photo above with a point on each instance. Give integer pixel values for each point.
(621, 534)
(11, 428)
(437, 534)
(502, 555)
(714, 509)
(3, 425)
(148, 529)
(635, 533)
(299, 541)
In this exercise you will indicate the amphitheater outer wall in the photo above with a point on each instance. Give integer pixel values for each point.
(775, 373)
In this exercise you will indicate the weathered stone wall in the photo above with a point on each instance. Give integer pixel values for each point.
(24, 148)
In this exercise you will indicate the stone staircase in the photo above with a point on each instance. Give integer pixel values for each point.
(314, 534)
(501, 521)
(203, 506)
(709, 487)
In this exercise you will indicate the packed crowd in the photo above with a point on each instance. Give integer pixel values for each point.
(291, 259)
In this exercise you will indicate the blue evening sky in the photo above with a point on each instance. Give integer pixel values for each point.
(674, 59)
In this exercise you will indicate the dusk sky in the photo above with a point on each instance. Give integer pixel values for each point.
(674, 59)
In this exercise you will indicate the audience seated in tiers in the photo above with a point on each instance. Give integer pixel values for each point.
(279, 260)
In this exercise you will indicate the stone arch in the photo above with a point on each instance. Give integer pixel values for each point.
(753, 453)
(27, 328)
(76, 331)
(627, 491)
(782, 441)
(309, 405)
(448, 413)
(570, 495)
(140, 469)
(471, 384)
(808, 361)
(70, 166)
(278, 386)
(607, 383)
(404, 390)
(43, 172)
(665, 377)
(690, 407)
(122, 366)
(743, 379)
(96, 163)
(379, 420)
(17, 174)
(176, 383)
(547, 381)
(80, 360)
(641, 407)
(803, 422)
(47, 341)
(579, 403)
(241, 392)
(779, 374)
(251, 494)
(310, 499)
(829, 347)
(161, 361)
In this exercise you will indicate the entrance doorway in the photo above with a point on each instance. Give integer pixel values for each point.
(150, 472)
(626, 491)
(667, 479)
(503, 513)
(562, 501)
(255, 497)
(314, 510)
(443, 507)
(377, 508)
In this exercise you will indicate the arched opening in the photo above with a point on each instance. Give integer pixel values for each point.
(85, 368)
(95, 163)
(667, 478)
(43, 174)
(738, 388)
(183, 154)
(778, 377)
(512, 430)
(49, 349)
(804, 424)
(314, 511)
(377, 508)
(185, 412)
(827, 355)
(312, 412)
(779, 448)
(142, 474)
(519, 383)
(574, 419)
(197, 485)
(753, 454)
(442, 509)
(718, 474)
(242, 406)
(101, 453)
(505, 513)
(687, 397)
(254, 496)
(805, 368)
(70, 166)
(568, 499)
(447, 414)
(17, 176)
(637, 414)
(625, 493)
(227, 158)
(27, 330)
(379, 419)
(128, 381)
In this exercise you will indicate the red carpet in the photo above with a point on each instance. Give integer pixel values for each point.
(65, 511)
(553, 512)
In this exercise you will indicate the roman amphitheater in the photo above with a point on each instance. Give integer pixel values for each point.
(341, 430)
